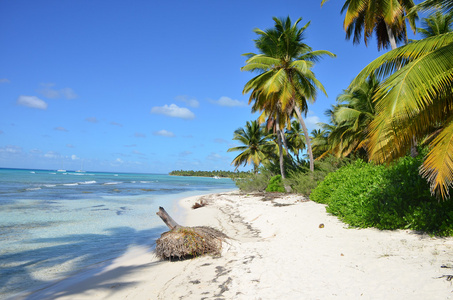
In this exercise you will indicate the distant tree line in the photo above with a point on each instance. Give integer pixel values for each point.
(224, 174)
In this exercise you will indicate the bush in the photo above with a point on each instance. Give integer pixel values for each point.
(253, 182)
(303, 181)
(366, 195)
(276, 185)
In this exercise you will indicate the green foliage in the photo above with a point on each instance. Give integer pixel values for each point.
(276, 184)
(227, 174)
(303, 182)
(394, 197)
(253, 182)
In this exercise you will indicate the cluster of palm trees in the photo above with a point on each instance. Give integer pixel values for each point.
(400, 100)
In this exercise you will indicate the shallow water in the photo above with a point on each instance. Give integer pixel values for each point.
(53, 224)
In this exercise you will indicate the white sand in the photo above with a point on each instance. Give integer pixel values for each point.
(277, 251)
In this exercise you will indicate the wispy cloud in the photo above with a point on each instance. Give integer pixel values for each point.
(116, 124)
(312, 121)
(227, 101)
(70, 146)
(185, 153)
(49, 92)
(221, 141)
(1, 131)
(188, 101)
(52, 154)
(31, 101)
(74, 157)
(130, 146)
(91, 120)
(164, 132)
(138, 152)
(139, 135)
(4, 80)
(11, 149)
(174, 111)
(59, 128)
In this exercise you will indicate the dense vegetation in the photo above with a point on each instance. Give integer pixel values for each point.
(225, 174)
(367, 195)
(365, 163)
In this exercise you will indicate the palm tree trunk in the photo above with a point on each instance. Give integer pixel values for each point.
(284, 143)
(280, 150)
(307, 138)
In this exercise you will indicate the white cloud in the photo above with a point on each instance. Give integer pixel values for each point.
(227, 101)
(59, 128)
(190, 102)
(52, 154)
(51, 93)
(312, 121)
(70, 146)
(4, 80)
(11, 149)
(116, 124)
(119, 160)
(74, 157)
(31, 101)
(174, 111)
(164, 132)
(214, 156)
(91, 120)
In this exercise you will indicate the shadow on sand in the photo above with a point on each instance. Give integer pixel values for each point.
(91, 253)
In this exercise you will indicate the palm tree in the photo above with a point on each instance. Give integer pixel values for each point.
(353, 116)
(285, 82)
(411, 101)
(296, 139)
(435, 24)
(384, 17)
(255, 141)
(319, 138)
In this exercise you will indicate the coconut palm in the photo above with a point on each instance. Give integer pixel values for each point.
(435, 24)
(411, 101)
(384, 17)
(296, 139)
(353, 116)
(319, 138)
(285, 82)
(255, 141)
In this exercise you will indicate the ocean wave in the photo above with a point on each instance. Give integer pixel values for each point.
(112, 183)
(88, 182)
(33, 189)
(70, 184)
(50, 185)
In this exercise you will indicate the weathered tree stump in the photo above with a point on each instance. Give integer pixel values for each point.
(186, 242)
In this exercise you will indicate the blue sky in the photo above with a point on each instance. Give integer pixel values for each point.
(145, 86)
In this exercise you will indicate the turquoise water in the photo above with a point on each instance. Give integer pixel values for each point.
(53, 224)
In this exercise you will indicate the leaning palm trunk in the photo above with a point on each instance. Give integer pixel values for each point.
(307, 138)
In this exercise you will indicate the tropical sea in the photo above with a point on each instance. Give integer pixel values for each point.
(54, 224)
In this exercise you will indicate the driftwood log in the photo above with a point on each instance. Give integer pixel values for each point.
(187, 242)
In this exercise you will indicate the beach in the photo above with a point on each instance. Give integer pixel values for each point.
(279, 247)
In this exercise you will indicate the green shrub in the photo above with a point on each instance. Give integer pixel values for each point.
(253, 182)
(366, 195)
(304, 182)
(276, 184)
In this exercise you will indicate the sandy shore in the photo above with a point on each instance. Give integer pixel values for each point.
(277, 250)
